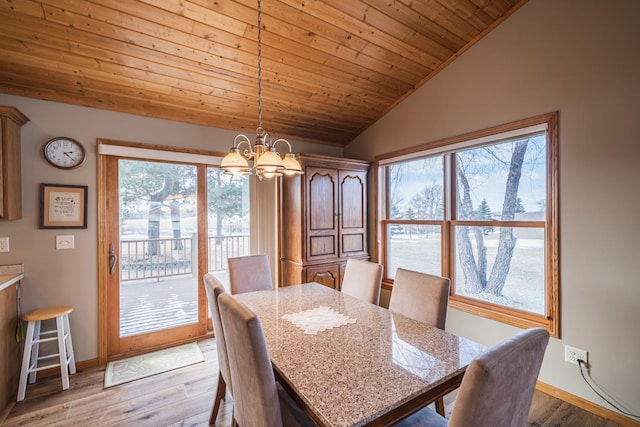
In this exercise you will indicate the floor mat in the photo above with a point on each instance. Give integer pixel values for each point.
(145, 365)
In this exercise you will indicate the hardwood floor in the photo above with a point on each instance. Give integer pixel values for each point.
(183, 397)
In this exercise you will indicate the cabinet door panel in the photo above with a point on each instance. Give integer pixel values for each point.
(322, 245)
(353, 212)
(327, 275)
(322, 199)
(353, 244)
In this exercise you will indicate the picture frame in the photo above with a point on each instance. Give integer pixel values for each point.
(63, 206)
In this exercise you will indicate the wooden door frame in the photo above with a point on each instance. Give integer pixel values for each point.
(103, 262)
(104, 238)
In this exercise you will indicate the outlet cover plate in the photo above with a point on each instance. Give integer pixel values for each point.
(65, 242)
(4, 244)
(572, 354)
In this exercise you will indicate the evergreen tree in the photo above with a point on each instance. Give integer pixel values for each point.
(410, 214)
(395, 228)
(484, 214)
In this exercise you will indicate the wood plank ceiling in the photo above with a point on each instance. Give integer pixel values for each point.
(330, 68)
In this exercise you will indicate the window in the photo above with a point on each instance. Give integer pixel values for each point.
(480, 209)
(228, 219)
(416, 212)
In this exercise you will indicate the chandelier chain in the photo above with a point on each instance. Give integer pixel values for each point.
(259, 65)
(267, 162)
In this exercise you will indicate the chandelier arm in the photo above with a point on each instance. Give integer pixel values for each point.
(248, 153)
(243, 138)
(282, 140)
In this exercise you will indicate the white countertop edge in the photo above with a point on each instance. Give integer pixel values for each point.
(8, 280)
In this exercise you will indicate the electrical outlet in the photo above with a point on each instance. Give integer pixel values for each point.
(572, 354)
(65, 242)
(4, 244)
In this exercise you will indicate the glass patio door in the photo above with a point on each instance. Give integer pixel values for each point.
(157, 249)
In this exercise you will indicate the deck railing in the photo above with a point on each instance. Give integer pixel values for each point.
(158, 258)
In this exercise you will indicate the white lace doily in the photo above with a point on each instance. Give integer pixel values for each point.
(318, 319)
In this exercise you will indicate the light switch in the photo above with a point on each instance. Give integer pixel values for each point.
(65, 242)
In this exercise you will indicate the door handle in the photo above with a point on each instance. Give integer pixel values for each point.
(113, 259)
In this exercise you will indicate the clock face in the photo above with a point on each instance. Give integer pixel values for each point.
(64, 153)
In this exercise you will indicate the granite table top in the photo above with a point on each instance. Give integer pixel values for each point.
(368, 363)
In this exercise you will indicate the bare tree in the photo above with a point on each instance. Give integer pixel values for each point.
(154, 183)
(396, 174)
(427, 203)
(475, 269)
(507, 242)
(225, 197)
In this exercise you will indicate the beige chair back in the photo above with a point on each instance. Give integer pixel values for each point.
(420, 296)
(214, 289)
(256, 401)
(498, 386)
(362, 279)
(249, 273)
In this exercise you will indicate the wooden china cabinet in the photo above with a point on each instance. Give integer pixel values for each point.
(324, 217)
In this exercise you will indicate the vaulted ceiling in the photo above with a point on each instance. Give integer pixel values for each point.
(329, 68)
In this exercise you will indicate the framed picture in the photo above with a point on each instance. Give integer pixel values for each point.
(63, 206)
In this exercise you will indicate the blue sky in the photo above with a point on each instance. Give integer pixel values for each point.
(484, 185)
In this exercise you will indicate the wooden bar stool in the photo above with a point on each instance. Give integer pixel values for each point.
(31, 357)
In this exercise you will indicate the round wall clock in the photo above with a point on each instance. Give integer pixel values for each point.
(64, 153)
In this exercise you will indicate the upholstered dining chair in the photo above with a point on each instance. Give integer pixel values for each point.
(258, 400)
(422, 297)
(214, 289)
(497, 387)
(249, 273)
(362, 279)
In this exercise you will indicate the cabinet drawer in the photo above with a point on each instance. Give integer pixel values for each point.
(327, 275)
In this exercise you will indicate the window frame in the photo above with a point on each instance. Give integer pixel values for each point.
(447, 147)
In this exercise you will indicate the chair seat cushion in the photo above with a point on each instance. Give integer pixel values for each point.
(424, 418)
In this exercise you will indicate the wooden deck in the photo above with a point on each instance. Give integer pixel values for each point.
(151, 305)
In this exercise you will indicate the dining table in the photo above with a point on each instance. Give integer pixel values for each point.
(350, 363)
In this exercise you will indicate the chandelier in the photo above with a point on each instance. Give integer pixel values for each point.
(267, 162)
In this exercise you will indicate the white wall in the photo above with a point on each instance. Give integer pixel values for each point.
(70, 277)
(582, 58)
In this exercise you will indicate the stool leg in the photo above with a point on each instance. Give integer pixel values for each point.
(69, 346)
(22, 386)
(64, 372)
(35, 351)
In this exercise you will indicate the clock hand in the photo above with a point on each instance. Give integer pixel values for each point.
(66, 153)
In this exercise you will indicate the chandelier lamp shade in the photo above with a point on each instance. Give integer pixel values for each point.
(267, 162)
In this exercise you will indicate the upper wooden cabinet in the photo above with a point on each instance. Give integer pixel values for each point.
(324, 216)
(11, 120)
